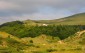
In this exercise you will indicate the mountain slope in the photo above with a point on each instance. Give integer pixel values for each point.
(77, 19)
(77, 38)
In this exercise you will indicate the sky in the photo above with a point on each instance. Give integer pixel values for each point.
(11, 10)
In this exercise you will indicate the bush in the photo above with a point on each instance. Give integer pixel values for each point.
(51, 50)
(82, 41)
(63, 49)
(31, 41)
(36, 52)
(11, 41)
(37, 46)
(31, 45)
(78, 49)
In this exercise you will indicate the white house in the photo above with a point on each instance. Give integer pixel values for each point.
(44, 24)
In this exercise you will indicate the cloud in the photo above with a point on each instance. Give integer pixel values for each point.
(31, 6)
(7, 5)
(39, 9)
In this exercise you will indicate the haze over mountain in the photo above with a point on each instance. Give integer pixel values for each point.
(77, 19)
(39, 9)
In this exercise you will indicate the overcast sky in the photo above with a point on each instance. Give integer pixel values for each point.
(39, 9)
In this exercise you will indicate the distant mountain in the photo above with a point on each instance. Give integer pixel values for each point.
(77, 19)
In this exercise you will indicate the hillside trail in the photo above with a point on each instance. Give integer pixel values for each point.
(80, 33)
(79, 36)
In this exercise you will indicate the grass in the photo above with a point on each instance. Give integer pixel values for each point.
(53, 47)
(41, 45)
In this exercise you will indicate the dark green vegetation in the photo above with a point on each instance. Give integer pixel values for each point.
(18, 29)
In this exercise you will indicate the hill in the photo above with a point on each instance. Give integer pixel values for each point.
(31, 36)
(42, 44)
(77, 19)
(10, 43)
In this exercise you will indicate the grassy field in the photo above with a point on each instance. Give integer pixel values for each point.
(48, 45)
(41, 44)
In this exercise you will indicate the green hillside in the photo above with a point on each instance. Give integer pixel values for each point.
(77, 19)
(66, 35)
(42, 44)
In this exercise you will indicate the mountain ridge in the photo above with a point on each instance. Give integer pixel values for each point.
(77, 19)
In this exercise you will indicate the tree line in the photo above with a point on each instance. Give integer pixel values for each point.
(18, 29)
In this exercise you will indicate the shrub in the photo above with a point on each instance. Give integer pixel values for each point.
(51, 50)
(31, 41)
(82, 41)
(31, 45)
(37, 46)
(11, 41)
(36, 52)
(63, 49)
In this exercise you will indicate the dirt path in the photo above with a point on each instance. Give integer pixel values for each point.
(80, 33)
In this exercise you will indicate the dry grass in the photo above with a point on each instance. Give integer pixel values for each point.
(45, 44)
